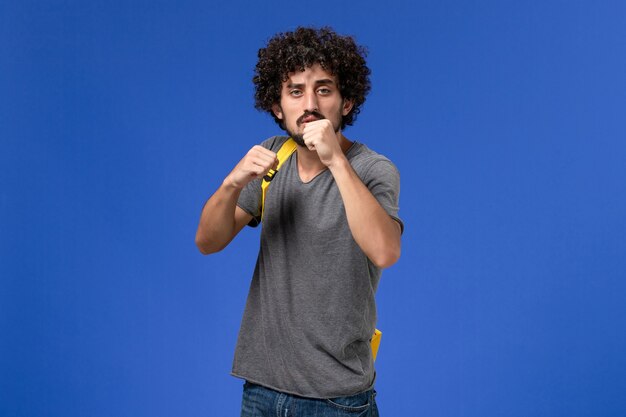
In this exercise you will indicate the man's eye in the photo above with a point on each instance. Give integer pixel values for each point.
(324, 91)
(295, 93)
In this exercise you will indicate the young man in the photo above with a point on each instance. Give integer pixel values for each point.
(330, 225)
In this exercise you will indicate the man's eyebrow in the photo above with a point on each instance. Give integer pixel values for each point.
(325, 81)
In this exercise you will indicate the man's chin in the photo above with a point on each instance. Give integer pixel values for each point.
(298, 138)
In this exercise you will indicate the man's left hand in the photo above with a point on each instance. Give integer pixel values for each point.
(320, 136)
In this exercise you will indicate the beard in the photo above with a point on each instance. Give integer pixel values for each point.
(299, 137)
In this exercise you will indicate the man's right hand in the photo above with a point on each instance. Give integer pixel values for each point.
(257, 162)
(221, 219)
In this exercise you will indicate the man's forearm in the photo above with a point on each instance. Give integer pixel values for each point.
(220, 220)
(376, 233)
(217, 225)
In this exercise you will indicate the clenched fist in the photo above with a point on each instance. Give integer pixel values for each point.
(257, 162)
(320, 136)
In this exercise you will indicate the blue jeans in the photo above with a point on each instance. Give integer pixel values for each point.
(259, 401)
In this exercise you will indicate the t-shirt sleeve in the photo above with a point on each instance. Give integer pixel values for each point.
(250, 201)
(383, 181)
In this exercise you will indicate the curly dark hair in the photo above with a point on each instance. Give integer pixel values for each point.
(287, 52)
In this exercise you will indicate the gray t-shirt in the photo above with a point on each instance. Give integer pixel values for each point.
(311, 311)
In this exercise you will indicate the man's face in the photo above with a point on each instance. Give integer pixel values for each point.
(312, 94)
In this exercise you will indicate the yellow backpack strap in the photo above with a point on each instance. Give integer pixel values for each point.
(375, 342)
(283, 154)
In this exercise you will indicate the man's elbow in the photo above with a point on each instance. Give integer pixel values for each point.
(206, 247)
(203, 250)
(386, 258)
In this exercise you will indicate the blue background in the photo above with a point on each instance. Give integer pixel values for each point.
(118, 119)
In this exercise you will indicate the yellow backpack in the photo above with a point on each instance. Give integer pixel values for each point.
(283, 154)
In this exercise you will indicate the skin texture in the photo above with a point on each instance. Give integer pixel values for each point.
(305, 96)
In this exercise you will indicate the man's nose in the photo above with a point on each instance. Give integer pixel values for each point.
(311, 101)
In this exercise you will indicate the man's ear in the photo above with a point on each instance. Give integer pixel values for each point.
(278, 112)
(347, 106)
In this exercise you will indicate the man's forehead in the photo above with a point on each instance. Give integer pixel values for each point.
(314, 73)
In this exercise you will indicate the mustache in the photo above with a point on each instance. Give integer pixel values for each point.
(317, 115)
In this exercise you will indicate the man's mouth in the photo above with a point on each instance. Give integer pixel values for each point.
(308, 117)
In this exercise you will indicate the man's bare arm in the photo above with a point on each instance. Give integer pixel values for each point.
(221, 220)
(376, 233)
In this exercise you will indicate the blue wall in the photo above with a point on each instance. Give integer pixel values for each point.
(118, 119)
